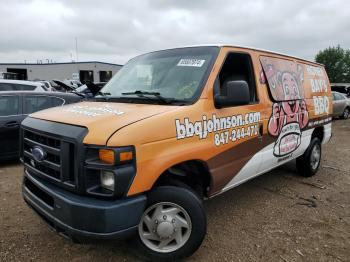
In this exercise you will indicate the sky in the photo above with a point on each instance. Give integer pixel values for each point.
(115, 31)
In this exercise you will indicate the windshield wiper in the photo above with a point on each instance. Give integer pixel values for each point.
(146, 93)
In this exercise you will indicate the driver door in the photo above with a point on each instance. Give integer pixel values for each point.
(10, 120)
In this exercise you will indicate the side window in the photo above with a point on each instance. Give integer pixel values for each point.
(341, 97)
(338, 97)
(57, 101)
(24, 87)
(237, 66)
(36, 103)
(6, 87)
(9, 105)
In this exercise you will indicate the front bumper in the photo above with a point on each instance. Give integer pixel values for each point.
(77, 216)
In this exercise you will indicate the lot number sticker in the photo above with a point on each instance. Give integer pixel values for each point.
(191, 62)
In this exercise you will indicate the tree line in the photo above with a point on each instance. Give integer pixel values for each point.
(337, 63)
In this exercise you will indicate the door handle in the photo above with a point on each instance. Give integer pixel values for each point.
(12, 124)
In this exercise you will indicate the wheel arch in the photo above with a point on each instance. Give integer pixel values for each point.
(193, 173)
(319, 133)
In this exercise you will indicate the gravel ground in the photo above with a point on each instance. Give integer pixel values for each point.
(276, 217)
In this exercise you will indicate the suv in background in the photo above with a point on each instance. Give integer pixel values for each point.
(21, 85)
(15, 106)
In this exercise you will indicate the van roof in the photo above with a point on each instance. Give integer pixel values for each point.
(251, 48)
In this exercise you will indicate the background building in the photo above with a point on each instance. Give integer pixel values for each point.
(83, 71)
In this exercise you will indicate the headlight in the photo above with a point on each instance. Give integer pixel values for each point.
(107, 180)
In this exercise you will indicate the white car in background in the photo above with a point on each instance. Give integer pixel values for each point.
(21, 85)
(48, 85)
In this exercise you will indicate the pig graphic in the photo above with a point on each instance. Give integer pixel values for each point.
(289, 114)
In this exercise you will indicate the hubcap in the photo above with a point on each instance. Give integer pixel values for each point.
(165, 227)
(315, 157)
(346, 113)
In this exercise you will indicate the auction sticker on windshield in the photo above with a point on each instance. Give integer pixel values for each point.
(191, 62)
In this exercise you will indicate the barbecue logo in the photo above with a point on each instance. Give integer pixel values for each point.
(289, 112)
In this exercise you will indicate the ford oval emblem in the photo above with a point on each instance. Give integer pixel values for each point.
(38, 153)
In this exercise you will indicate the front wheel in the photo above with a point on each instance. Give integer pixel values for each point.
(345, 114)
(173, 225)
(309, 162)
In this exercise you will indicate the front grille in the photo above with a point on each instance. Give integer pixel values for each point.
(58, 164)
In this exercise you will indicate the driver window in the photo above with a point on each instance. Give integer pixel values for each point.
(9, 105)
(237, 66)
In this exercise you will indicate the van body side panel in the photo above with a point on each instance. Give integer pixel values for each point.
(205, 133)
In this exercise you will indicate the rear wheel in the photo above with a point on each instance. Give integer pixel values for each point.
(309, 162)
(345, 114)
(173, 225)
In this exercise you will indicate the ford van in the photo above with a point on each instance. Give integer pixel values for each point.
(171, 129)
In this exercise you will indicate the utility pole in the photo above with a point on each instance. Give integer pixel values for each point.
(76, 52)
(76, 48)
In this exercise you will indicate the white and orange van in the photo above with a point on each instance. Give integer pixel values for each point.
(172, 128)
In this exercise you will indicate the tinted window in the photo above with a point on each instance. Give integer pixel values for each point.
(24, 87)
(9, 105)
(6, 87)
(36, 103)
(15, 87)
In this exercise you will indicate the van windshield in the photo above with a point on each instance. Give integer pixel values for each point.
(173, 75)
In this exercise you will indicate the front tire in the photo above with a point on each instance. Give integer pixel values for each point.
(345, 114)
(173, 225)
(309, 162)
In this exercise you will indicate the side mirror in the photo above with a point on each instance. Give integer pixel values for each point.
(237, 93)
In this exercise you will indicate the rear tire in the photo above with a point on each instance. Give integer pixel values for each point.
(173, 224)
(345, 114)
(309, 162)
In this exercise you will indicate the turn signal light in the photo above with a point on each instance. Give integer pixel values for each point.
(107, 156)
(125, 156)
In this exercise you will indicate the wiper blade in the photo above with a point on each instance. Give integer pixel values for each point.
(146, 93)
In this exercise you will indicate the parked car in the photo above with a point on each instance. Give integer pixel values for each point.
(341, 105)
(21, 85)
(72, 82)
(15, 106)
(170, 129)
(48, 85)
(62, 86)
(90, 89)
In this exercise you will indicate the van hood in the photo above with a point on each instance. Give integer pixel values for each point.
(102, 119)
